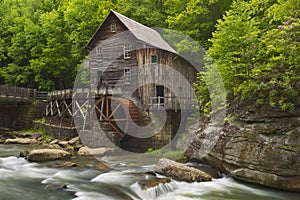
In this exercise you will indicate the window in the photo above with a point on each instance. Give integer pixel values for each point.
(126, 51)
(113, 27)
(99, 78)
(99, 54)
(127, 76)
(154, 59)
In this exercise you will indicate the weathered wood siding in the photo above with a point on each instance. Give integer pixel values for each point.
(177, 81)
(113, 62)
(142, 70)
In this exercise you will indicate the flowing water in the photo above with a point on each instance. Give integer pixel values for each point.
(20, 179)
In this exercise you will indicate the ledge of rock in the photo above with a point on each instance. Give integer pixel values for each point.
(262, 147)
(180, 172)
(20, 141)
(42, 155)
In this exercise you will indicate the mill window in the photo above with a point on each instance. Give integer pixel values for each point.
(99, 54)
(126, 51)
(154, 59)
(113, 27)
(127, 76)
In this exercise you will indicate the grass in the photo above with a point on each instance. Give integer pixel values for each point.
(177, 155)
(46, 138)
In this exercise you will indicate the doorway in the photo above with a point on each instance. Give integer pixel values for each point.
(160, 93)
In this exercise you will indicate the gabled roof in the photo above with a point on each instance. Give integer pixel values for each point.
(141, 32)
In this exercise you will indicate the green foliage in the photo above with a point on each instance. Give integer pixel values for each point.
(256, 48)
(198, 18)
(42, 42)
(46, 138)
(166, 153)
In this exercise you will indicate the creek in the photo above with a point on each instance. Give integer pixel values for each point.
(20, 179)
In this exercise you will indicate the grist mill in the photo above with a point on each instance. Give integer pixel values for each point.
(138, 91)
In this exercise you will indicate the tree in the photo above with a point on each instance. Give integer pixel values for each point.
(256, 48)
(198, 19)
(43, 41)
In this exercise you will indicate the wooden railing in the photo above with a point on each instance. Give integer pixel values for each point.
(17, 93)
(79, 91)
(170, 103)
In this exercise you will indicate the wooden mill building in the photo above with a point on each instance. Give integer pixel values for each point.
(133, 69)
(126, 55)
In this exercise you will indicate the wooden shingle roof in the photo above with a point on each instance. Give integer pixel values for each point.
(141, 32)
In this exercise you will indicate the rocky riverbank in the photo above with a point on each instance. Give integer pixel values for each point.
(65, 154)
(260, 146)
(40, 148)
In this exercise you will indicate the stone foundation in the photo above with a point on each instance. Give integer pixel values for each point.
(16, 115)
(58, 132)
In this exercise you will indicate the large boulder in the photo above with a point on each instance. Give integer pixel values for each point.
(42, 155)
(261, 147)
(180, 172)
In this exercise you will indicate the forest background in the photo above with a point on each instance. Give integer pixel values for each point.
(253, 43)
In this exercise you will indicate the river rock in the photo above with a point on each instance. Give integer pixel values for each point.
(101, 166)
(42, 155)
(27, 135)
(23, 153)
(153, 182)
(22, 134)
(260, 146)
(65, 164)
(180, 172)
(73, 141)
(85, 151)
(66, 146)
(56, 141)
(20, 141)
(54, 146)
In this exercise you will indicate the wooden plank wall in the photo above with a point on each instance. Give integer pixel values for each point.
(142, 71)
(113, 62)
(177, 80)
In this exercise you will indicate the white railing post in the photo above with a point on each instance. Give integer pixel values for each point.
(158, 98)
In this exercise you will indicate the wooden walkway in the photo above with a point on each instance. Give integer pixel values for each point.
(11, 93)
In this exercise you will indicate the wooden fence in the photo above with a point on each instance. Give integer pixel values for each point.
(17, 93)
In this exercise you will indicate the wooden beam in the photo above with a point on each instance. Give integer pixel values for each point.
(113, 112)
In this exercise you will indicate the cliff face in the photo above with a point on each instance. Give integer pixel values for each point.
(260, 146)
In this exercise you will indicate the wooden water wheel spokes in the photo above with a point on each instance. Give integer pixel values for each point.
(114, 111)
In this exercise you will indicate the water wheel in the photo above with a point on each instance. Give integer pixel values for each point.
(116, 113)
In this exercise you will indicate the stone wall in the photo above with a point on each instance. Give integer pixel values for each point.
(58, 132)
(16, 115)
